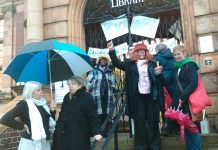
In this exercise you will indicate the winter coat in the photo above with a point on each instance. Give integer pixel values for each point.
(93, 84)
(166, 59)
(131, 83)
(188, 78)
(77, 122)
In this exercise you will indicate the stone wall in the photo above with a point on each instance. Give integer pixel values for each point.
(55, 19)
(9, 139)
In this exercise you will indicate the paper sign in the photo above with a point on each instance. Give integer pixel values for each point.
(171, 43)
(176, 30)
(144, 26)
(206, 44)
(61, 89)
(115, 28)
(121, 49)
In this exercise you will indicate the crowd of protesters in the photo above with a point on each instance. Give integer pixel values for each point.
(89, 102)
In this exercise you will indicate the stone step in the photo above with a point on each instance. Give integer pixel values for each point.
(209, 142)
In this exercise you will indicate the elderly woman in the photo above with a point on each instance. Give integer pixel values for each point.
(77, 120)
(101, 84)
(186, 77)
(34, 119)
(142, 95)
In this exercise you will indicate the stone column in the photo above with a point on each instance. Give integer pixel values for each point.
(8, 47)
(34, 20)
(188, 23)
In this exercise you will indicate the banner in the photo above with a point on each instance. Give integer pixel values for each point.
(170, 43)
(115, 28)
(96, 52)
(144, 26)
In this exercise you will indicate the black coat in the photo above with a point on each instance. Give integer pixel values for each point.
(77, 122)
(132, 78)
(188, 78)
(21, 111)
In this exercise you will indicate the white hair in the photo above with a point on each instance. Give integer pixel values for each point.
(29, 87)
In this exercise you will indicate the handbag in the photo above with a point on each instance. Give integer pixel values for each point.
(199, 98)
(195, 117)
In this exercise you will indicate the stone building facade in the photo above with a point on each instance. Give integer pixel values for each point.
(30, 20)
(35, 20)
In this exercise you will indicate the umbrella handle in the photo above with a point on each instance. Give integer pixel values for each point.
(179, 107)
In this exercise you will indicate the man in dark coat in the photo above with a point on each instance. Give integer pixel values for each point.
(77, 120)
(142, 95)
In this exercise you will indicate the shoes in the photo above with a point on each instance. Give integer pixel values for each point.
(174, 133)
(165, 131)
(168, 132)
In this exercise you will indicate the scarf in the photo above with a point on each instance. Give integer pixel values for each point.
(185, 61)
(142, 62)
(37, 129)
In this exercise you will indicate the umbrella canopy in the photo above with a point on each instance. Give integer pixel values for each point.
(183, 120)
(48, 61)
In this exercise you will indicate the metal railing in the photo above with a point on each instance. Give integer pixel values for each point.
(117, 111)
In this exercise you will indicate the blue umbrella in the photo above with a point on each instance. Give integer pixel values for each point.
(47, 62)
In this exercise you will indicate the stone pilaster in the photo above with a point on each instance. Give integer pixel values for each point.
(188, 24)
(8, 48)
(34, 20)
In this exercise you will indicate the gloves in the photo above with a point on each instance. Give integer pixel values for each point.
(98, 137)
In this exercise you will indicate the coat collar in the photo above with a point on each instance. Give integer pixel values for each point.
(79, 92)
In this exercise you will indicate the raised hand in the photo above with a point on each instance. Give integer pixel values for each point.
(110, 45)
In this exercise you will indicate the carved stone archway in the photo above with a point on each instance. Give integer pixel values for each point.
(76, 32)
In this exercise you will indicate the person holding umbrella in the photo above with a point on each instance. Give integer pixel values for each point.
(34, 119)
(78, 119)
(143, 97)
(186, 77)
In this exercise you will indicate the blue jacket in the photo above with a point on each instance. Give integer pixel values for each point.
(166, 59)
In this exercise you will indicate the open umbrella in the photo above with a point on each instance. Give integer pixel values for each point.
(183, 120)
(47, 62)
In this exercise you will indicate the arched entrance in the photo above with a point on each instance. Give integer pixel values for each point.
(100, 11)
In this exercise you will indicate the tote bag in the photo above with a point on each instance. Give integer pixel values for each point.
(199, 98)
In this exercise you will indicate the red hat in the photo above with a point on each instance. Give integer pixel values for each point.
(140, 46)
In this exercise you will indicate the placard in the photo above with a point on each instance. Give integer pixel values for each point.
(144, 26)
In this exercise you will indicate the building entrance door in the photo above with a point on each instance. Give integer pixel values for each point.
(98, 11)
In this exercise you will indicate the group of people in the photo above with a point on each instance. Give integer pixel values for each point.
(89, 102)
(146, 77)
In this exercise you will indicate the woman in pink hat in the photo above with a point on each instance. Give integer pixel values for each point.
(143, 94)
